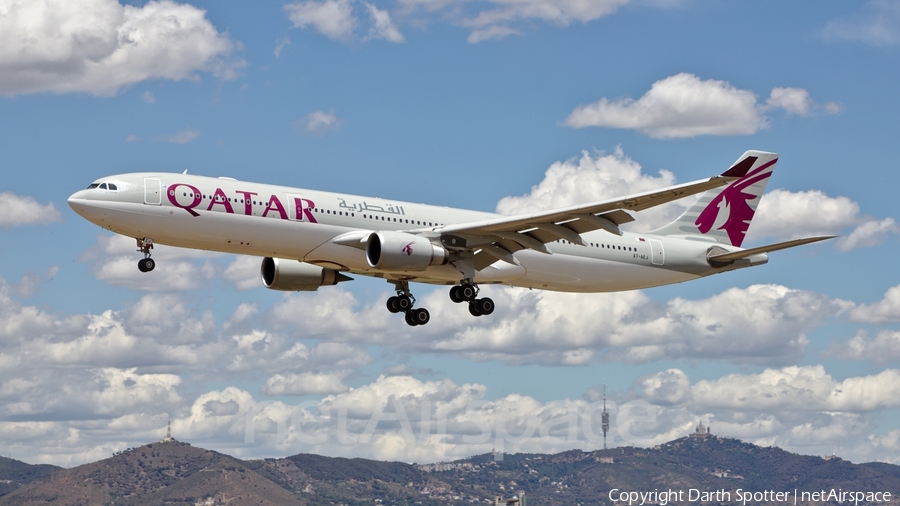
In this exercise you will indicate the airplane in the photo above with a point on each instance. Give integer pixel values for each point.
(308, 238)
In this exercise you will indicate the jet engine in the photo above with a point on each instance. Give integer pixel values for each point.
(297, 276)
(403, 252)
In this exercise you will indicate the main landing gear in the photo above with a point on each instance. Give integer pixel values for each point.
(146, 264)
(403, 303)
(467, 292)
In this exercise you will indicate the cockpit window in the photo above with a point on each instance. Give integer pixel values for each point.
(103, 186)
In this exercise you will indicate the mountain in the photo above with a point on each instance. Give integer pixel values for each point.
(177, 473)
(14, 473)
(158, 473)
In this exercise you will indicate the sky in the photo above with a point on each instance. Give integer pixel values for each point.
(491, 105)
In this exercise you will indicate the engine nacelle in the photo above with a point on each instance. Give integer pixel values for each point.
(297, 276)
(399, 251)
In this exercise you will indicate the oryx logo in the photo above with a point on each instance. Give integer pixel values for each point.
(730, 210)
(407, 249)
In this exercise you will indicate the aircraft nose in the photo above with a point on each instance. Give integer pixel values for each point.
(78, 201)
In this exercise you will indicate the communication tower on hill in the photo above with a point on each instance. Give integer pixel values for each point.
(604, 418)
(168, 438)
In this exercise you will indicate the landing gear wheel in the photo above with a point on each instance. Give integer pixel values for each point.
(419, 316)
(455, 295)
(467, 292)
(392, 304)
(473, 309)
(146, 264)
(403, 303)
(485, 306)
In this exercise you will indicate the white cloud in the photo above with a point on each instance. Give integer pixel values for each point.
(181, 325)
(183, 136)
(877, 24)
(147, 97)
(553, 12)
(797, 101)
(244, 272)
(869, 233)
(102, 46)
(792, 100)
(771, 321)
(781, 215)
(795, 406)
(596, 177)
(125, 391)
(498, 18)
(115, 258)
(31, 282)
(833, 108)
(280, 47)
(786, 215)
(307, 383)
(110, 380)
(491, 32)
(684, 105)
(382, 26)
(403, 418)
(887, 310)
(799, 388)
(318, 123)
(332, 18)
(16, 211)
(883, 349)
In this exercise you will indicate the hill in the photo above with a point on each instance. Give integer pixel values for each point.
(177, 473)
(14, 473)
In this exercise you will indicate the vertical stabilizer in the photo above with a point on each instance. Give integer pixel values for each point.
(724, 214)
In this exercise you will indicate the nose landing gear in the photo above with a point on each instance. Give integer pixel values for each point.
(146, 264)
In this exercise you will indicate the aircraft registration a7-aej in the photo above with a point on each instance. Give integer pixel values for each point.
(310, 238)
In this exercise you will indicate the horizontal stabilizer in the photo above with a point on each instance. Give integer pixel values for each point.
(744, 253)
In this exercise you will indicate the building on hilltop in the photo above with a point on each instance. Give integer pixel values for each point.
(701, 432)
(519, 500)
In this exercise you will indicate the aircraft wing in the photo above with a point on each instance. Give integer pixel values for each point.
(499, 237)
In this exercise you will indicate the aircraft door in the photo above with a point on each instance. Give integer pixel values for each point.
(657, 253)
(152, 192)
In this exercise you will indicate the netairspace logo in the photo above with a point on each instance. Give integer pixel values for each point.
(477, 424)
(742, 497)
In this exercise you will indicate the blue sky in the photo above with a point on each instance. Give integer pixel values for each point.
(484, 105)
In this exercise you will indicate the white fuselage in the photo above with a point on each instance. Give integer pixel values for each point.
(222, 214)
